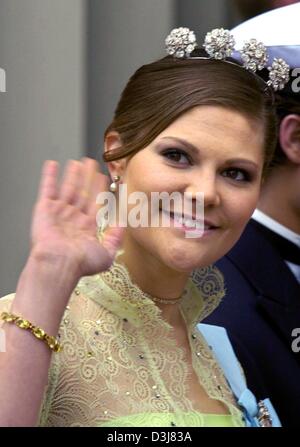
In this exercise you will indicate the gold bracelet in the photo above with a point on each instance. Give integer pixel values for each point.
(39, 333)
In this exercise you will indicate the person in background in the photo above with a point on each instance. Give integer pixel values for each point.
(251, 8)
(261, 310)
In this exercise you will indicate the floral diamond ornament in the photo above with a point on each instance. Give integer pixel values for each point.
(181, 42)
(279, 74)
(219, 43)
(254, 55)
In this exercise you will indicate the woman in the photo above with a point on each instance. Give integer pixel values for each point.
(131, 352)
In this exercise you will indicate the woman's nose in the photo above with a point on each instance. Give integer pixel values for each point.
(207, 186)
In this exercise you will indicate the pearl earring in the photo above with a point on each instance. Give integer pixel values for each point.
(113, 185)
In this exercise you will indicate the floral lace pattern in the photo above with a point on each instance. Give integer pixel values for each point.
(120, 358)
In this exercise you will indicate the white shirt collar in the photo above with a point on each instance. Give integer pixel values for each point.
(295, 269)
(275, 226)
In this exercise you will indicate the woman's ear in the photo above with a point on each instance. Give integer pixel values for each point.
(113, 141)
(289, 135)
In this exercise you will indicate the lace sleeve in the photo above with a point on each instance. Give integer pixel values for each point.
(210, 283)
(68, 397)
(5, 304)
(53, 380)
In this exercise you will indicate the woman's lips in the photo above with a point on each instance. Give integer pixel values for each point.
(191, 225)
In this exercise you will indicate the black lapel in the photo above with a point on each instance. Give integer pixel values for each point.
(277, 289)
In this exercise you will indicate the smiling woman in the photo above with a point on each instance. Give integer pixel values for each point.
(125, 304)
(227, 170)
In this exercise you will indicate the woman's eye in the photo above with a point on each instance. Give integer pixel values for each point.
(239, 175)
(178, 156)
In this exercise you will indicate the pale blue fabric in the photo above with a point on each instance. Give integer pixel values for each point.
(217, 339)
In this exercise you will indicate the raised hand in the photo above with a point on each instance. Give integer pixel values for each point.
(64, 218)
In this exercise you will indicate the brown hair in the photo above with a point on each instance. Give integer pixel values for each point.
(158, 93)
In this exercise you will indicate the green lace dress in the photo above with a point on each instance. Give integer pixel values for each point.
(120, 365)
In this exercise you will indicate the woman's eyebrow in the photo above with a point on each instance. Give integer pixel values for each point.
(184, 142)
(244, 161)
(197, 152)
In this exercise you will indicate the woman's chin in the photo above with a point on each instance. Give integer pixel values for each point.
(184, 263)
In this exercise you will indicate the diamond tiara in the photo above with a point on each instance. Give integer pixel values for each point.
(219, 44)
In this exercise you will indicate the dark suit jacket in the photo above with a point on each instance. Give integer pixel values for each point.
(260, 309)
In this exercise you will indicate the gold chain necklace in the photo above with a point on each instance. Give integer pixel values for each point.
(163, 300)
